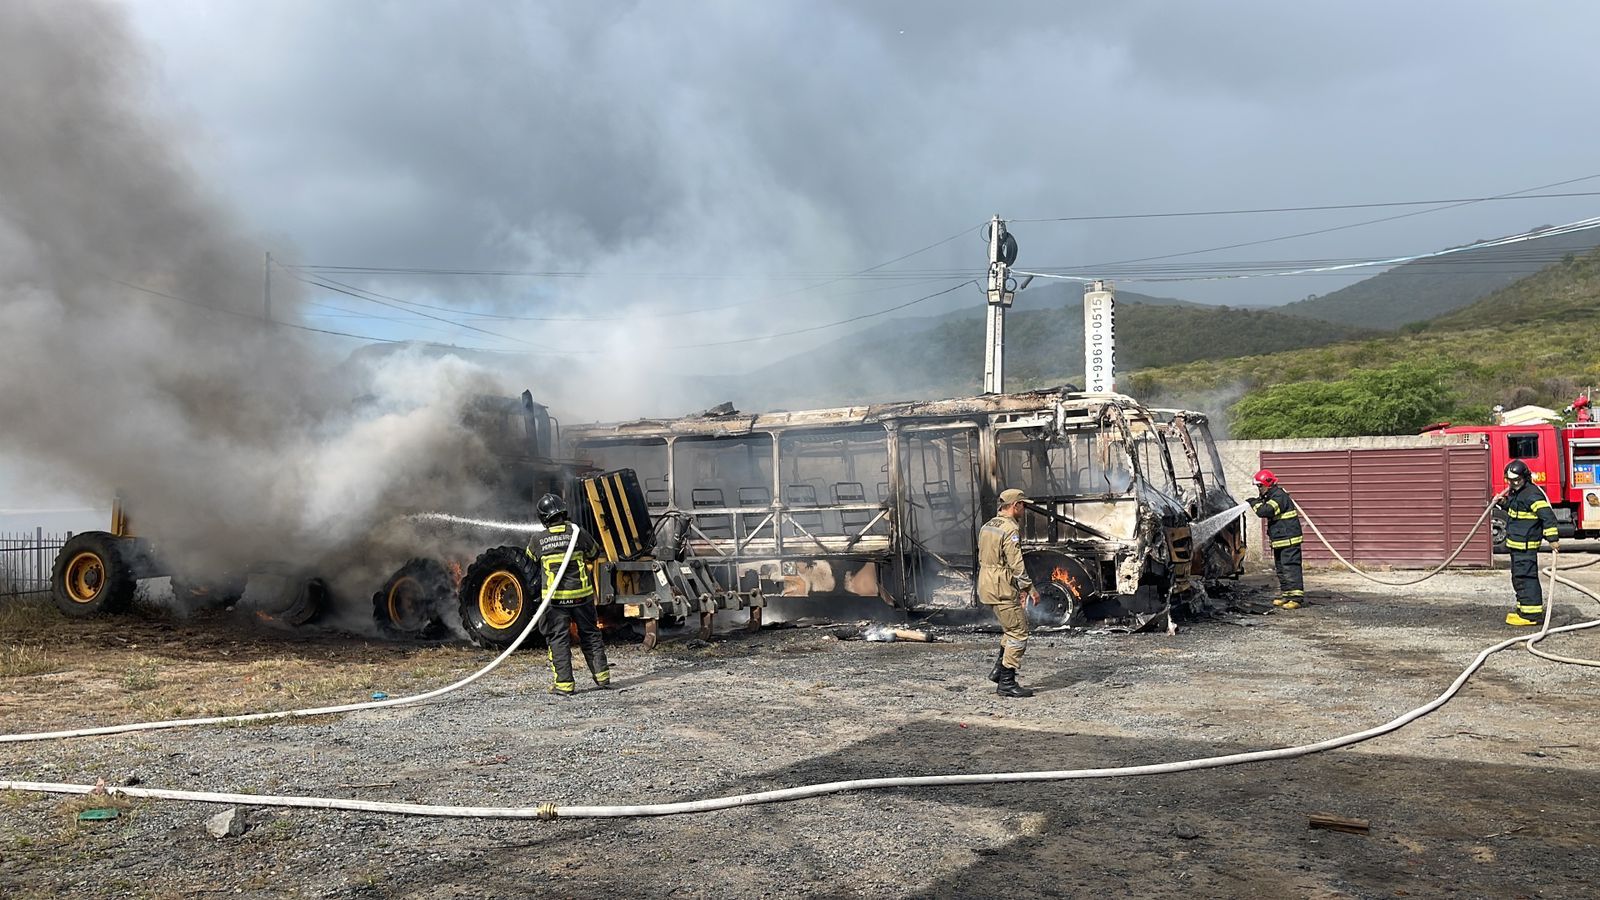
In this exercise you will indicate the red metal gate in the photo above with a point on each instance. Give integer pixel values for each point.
(1403, 507)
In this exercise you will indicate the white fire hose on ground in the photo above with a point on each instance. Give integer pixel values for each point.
(552, 810)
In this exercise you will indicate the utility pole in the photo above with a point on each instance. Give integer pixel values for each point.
(1001, 291)
(266, 288)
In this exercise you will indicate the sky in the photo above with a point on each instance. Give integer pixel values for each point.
(707, 187)
(755, 151)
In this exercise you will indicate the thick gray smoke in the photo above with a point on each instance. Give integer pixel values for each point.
(133, 355)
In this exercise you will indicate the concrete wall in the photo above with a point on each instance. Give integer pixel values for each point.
(1241, 460)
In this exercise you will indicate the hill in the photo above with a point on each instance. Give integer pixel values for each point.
(1043, 346)
(1428, 288)
(1530, 342)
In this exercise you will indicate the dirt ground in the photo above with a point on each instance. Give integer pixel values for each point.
(1495, 795)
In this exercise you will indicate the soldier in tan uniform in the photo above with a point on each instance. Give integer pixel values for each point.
(1002, 584)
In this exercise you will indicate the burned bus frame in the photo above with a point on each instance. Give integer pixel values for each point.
(886, 500)
(1204, 491)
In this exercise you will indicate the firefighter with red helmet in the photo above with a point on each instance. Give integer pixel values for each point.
(1529, 522)
(571, 600)
(1283, 532)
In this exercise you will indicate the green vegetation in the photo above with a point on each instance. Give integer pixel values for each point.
(1531, 342)
(1428, 288)
(1398, 399)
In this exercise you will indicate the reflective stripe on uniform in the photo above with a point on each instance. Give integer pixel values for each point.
(1294, 593)
(1552, 533)
(1530, 610)
(1274, 505)
(1291, 514)
(603, 677)
(1288, 542)
(1520, 545)
(1519, 514)
(1538, 505)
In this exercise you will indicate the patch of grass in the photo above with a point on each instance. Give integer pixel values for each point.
(19, 799)
(27, 617)
(144, 675)
(18, 660)
(77, 803)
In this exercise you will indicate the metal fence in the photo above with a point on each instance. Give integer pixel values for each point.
(26, 559)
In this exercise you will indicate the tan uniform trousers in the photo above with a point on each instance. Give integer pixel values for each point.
(1014, 620)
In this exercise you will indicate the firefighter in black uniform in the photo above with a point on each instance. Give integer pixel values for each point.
(572, 602)
(1529, 521)
(1283, 532)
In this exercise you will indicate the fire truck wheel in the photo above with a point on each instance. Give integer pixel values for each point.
(499, 595)
(196, 594)
(1497, 530)
(91, 577)
(410, 603)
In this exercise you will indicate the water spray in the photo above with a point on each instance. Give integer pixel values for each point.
(1207, 528)
(489, 524)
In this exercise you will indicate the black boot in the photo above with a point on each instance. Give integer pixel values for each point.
(1008, 686)
(999, 659)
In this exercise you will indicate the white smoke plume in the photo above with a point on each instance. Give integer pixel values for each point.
(134, 357)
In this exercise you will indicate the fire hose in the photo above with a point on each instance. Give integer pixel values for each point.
(1552, 570)
(553, 811)
(321, 710)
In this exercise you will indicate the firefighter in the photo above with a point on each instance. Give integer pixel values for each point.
(572, 602)
(1283, 532)
(1580, 409)
(1529, 520)
(1002, 584)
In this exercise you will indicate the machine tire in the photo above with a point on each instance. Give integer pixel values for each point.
(499, 595)
(302, 600)
(91, 576)
(1497, 530)
(1064, 584)
(198, 594)
(411, 602)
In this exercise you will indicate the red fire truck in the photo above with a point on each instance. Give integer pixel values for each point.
(1564, 459)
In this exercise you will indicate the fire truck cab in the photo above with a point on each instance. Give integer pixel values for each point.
(1564, 459)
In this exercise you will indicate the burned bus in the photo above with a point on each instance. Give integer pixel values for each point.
(1204, 491)
(885, 501)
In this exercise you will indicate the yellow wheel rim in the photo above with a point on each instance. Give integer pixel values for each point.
(86, 575)
(500, 599)
(405, 601)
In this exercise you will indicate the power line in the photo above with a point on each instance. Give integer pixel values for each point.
(746, 340)
(811, 328)
(1521, 237)
(664, 276)
(921, 279)
(1322, 208)
(1362, 224)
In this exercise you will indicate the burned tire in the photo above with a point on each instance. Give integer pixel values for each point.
(410, 604)
(199, 593)
(301, 600)
(1064, 584)
(92, 576)
(499, 596)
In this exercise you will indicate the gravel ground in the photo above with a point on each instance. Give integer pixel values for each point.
(1492, 796)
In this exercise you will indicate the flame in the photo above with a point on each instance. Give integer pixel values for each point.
(1061, 576)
